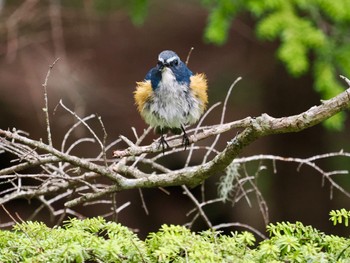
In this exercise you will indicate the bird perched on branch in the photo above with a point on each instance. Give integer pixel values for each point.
(171, 96)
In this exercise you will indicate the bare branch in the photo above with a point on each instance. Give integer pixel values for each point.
(198, 206)
(84, 123)
(71, 178)
(46, 108)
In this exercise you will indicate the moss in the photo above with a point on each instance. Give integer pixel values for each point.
(96, 240)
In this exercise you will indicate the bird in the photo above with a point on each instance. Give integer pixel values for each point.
(171, 97)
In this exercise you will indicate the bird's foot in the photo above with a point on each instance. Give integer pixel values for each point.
(185, 139)
(163, 143)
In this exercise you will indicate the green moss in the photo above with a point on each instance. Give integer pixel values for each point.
(96, 240)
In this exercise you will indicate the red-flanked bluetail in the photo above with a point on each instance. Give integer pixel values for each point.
(171, 96)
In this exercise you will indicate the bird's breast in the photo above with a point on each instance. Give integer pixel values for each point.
(172, 104)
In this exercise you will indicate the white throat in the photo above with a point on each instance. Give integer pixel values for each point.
(168, 76)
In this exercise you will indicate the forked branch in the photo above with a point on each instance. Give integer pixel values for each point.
(124, 172)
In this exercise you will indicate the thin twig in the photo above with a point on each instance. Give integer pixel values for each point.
(222, 119)
(84, 123)
(196, 130)
(144, 206)
(68, 133)
(189, 55)
(198, 206)
(104, 154)
(254, 230)
(46, 108)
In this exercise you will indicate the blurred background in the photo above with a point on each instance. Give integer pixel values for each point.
(106, 46)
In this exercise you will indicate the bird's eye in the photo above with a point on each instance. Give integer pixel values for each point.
(175, 62)
(159, 63)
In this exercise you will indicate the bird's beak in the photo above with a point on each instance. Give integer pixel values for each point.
(161, 67)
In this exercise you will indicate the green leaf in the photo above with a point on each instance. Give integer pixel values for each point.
(294, 55)
(336, 10)
(138, 11)
(219, 21)
(270, 27)
(217, 29)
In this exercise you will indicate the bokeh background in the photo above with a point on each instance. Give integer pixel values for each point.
(103, 52)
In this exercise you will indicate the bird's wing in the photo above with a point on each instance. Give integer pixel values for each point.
(142, 93)
(149, 74)
(199, 87)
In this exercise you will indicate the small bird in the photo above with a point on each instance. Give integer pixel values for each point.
(171, 96)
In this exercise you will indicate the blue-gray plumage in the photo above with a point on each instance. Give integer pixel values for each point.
(169, 59)
(171, 96)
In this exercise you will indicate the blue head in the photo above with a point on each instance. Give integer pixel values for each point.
(169, 59)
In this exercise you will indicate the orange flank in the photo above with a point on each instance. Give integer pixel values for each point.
(199, 86)
(142, 93)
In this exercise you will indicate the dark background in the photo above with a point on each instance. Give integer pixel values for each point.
(102, 55)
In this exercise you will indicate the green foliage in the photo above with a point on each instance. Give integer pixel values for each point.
(138, 10)
(298, 36)
(179, 244)
(220, 19)
(79, 241)
(95, 240)
(298, 243)
(340, 216)
(315, 29)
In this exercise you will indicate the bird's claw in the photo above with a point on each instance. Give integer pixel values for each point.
(185, 141)
(163, 143)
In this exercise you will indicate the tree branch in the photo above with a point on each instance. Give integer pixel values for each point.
(124, 173)
(254, 128)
